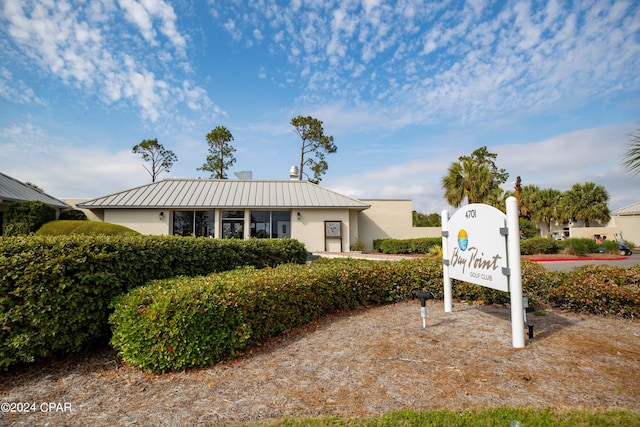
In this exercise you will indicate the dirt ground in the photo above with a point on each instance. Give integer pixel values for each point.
(356, 364)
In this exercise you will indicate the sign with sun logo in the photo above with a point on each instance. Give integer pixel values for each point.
(479, 255)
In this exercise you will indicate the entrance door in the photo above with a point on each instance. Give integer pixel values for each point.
(232, 229)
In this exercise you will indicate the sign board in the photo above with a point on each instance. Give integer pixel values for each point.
(481, 245)
(477, 249)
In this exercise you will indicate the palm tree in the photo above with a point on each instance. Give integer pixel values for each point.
(528, 200)
(498, 199)
(475, 178)
(545, 207)
(586, 202)
(632, 154)
(467, 179)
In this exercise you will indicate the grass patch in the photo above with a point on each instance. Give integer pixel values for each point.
(488, 417)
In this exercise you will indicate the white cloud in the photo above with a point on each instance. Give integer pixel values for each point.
(16, 90)
(65, 170)
(85, 46)
(444, 60)
(592, 155)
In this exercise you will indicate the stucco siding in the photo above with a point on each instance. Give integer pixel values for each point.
(390, 219)
(144, 221)
(630, 227)
(309, 229)
(92, 215)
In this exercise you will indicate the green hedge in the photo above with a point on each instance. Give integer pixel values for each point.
(178, 323)
(72, 214)
(75, 226)
(55, 291)
(26, 217)
(579, 246)
(196, 322)
(407, 246)
(538, 245)
(599, 289)
(572, 246)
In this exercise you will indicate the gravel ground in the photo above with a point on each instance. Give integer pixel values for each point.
(356, 364)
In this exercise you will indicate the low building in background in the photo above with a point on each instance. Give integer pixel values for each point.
(12, 190)
(322, 219)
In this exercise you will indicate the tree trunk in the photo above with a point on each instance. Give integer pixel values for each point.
(301, 162)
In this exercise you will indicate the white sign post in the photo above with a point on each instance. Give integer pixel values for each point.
(481, 245)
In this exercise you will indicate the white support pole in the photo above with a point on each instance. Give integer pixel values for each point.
(448, 303)
(515, 276)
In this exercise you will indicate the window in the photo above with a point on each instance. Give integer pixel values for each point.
(280, 224)
(261, 224)
(233, 224)
(274, 224)
(183, 223)
(194, 223)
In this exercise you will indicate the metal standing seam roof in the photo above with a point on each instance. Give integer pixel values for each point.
(632, 209)
(224, 193)
(15, 191)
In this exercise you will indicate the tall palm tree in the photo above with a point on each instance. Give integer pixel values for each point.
(467, 179)
(498, 199)
(528, 200)
(545, 207)
(585, 202)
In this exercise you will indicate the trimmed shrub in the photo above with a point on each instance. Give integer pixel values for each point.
(73, 214)
(178, 323)
(407, 246)
(55, 291)
(184, 322)
(611, 247)
(187, 322)
(599, 289)
(579, 246)
(89, 228)
(26, 217)
(195, 322)
(538, 245)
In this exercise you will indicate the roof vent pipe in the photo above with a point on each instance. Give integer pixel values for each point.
(294, 175)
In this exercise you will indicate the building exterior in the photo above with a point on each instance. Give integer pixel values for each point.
(320, 218)
(627, 220)
(624, 224)
(12, 190)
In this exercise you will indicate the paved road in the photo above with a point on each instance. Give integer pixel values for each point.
(629, 261)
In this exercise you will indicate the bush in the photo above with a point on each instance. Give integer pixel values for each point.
(599, 289)
(73, 214)
(55, 291)
(611, 247)
(26, 217)
(528, 229)
(579, 246)
(89, 228)
(538, 245)
(407, 246)
(183, 322)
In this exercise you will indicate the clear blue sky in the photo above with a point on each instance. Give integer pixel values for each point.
(405, 88)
